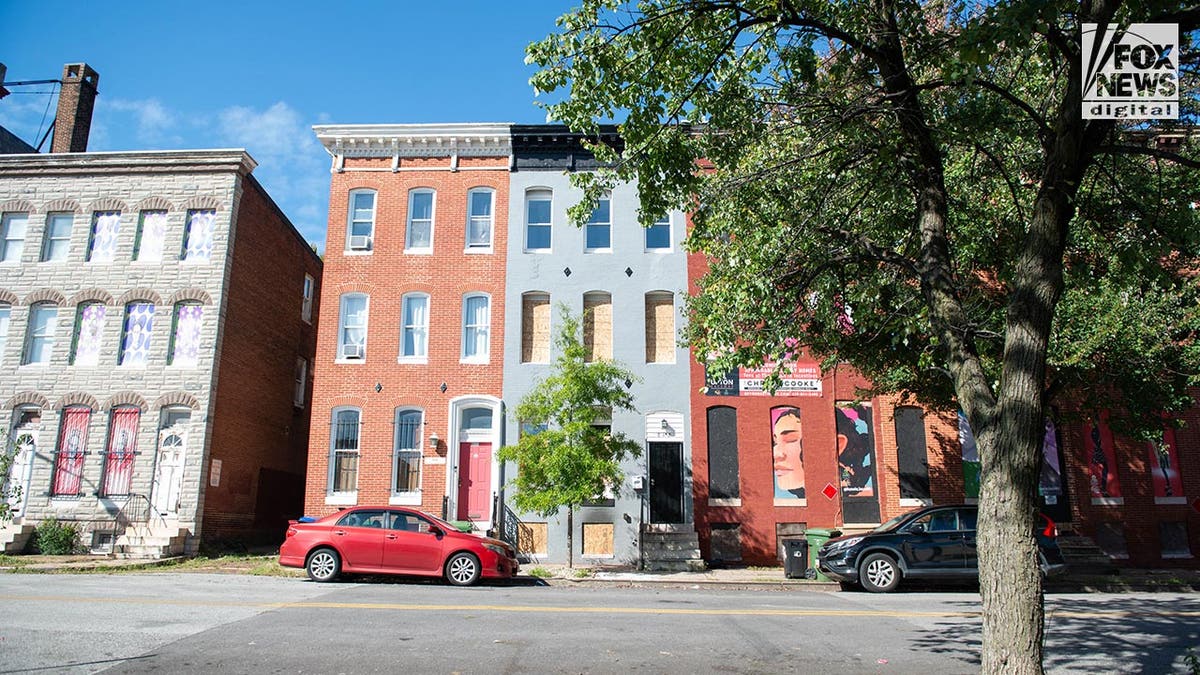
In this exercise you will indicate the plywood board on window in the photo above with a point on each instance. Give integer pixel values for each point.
(535, 328)
(598, 539)
(660, 328)
(531, 538)
(597, 326)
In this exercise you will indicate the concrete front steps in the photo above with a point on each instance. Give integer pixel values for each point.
(1083, 556)
(164, 540)
(15, 537)
(671, 548)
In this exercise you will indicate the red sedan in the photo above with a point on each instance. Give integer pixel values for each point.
(394, 540)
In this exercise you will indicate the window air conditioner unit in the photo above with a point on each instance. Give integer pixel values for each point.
(352, 351)
(360, 243)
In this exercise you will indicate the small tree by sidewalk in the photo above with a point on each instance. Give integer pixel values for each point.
(563, 457)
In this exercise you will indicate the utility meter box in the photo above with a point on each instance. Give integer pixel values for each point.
(639, 482)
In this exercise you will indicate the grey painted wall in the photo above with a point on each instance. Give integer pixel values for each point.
(664, 387)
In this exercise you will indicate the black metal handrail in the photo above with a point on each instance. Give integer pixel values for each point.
(130, 514)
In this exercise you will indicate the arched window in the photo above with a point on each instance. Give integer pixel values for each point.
(39, 341)
(70, 451)
(660, 327)
(598, 326)
(352, 327)
(89, 334)
(406, 456)
(136, 333)
(537, 220)
(476, 328)
(535, 327)
(120, 451)
(185, 334)
(344, 451)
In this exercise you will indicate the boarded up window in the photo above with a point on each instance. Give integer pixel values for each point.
(1110, 537)
(1174, 539)
(535, 328)
(597, 326)
(660, 328)
(913, 456)
(726, 542)
(531, 538)
(598, 539)
(722, 453)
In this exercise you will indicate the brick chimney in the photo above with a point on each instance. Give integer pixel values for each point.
(76, 100)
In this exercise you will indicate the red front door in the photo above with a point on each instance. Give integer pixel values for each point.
(474, 481)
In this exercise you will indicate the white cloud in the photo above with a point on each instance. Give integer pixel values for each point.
(153, 124)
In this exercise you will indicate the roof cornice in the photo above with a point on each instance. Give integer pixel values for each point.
(415, 140)
(147, 161)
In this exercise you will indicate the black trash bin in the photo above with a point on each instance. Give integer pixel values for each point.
(795, 558)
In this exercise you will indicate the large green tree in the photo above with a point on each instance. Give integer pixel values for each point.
(910, 187)
(564, 456)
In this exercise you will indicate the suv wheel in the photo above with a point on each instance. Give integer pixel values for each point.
(879, 573)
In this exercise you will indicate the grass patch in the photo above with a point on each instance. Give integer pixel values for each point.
(583, 573)
(15, 561)
(541, 573)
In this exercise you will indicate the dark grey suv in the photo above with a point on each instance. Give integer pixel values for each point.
(936, 542)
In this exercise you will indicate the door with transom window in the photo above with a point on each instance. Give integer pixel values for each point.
(169, 462)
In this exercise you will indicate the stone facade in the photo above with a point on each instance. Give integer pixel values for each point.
(179, 378)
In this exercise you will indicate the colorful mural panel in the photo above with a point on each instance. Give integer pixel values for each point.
(1101, 459)
(970, 457)
(856, 449)
(1164, 466)
(787, 451)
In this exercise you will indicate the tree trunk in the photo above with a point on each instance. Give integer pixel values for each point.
(570, 537)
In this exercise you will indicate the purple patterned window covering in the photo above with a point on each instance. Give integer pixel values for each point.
(122, 447)
(199, 244)
(135, 343)
(185, 342)
(89, 333)
(152, 236)
(105, 227)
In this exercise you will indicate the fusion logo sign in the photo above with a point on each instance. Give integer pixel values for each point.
(1131, 73)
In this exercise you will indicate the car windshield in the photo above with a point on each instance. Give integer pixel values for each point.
(891, 524)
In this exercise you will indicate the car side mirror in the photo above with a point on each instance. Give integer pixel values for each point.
(436, 531)
(917, 528)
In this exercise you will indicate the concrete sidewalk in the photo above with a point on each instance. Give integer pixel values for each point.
(765, 578)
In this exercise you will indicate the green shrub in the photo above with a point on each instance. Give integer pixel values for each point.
(540, 572)
(55, 538)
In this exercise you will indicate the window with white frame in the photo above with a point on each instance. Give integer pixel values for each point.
(102, 243)
(479, 219)
(476, 327)
(406, 454)
(306, 302)
(360, 228)
(537, 220)
(185, 335)
(136, 333)
(89, 334)
(5, 318)
(352, 327)
(299, 393)
(57, 242)
(419, 236)
(198, 242)
(12, 236)
(151, 236)
(39, 343)
(598, 232)
(414, 329)
(343, 459)
(658, 235)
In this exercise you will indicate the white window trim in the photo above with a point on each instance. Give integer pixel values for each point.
(486, 357)
(350, 220)
(5, 220)
(347, 497)
(409, 498)
(401, 357)
(366, 325)
(604, 249)
(670, 237)
(408, 247)
(481, 249)
(525, 233)
(51, 337)
(47, 239)
(307, 292)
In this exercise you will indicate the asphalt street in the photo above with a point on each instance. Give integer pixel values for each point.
(201, 623)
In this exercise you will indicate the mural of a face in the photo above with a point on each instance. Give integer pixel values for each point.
(788, 450)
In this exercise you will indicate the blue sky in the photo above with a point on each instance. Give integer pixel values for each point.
(258, 75)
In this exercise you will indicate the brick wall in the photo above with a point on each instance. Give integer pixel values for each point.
(259, 436)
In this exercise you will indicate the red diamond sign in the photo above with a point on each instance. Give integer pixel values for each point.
(829, 491)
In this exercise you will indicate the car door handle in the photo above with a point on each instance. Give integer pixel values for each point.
(391, 536)
(339, 532)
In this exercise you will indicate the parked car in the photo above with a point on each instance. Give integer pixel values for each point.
(936, 542)
(393, 540)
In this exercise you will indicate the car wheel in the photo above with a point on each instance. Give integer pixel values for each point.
(462, 569)
(323, 565)
(879, 573)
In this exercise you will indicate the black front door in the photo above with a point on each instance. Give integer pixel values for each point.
(666, 483)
